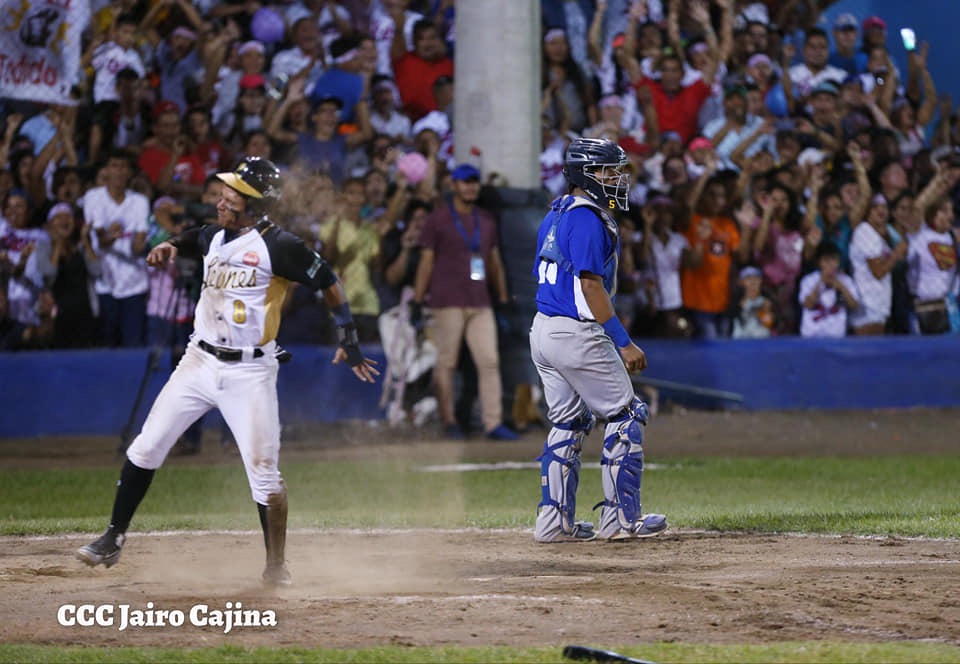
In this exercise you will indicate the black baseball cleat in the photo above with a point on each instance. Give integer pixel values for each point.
(105, 551)
(277, 575)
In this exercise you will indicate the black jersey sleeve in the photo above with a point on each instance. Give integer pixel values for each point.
(295, 261)
(194, 242)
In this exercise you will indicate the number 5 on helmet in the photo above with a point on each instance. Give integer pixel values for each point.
(596, 165)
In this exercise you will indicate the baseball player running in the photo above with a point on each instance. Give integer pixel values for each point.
(230, 362)
(584, 355)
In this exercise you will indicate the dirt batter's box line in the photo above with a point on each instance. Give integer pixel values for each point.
(674, 532)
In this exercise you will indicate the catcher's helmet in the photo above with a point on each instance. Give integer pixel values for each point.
(258, 180)
(595, 165)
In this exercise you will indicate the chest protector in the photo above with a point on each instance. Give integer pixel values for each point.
(550, 250)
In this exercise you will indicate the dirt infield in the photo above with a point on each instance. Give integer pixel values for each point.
(478, 587)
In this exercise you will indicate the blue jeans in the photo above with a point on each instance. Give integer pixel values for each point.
(123, 320)
(709, 325)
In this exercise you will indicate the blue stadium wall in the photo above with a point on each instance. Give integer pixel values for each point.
(934, 21)
(93, 392)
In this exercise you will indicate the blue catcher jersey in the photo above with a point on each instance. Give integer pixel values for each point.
(575, 236)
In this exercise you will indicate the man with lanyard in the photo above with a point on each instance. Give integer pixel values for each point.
(459, 266)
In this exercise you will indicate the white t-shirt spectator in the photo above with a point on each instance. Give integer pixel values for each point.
(291, 62)
(108, 59)
(227, 89)
(734, 138)
(829, 318)
(804, 80)
(551, 166)
(931, 264)
(665, 270)
(396, 124)
(382, 28)
(875, 294)
(124, 275)
(22, 291)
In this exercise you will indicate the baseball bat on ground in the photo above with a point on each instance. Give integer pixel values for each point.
(587, 654)
(686, 388)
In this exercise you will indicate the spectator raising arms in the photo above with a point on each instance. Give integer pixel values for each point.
(417, 70)
(352, 249)
(932, 267)
(875, 250)
(717, 245)
(68, 265)
(18, 240)
(562, 80)
(778, 249)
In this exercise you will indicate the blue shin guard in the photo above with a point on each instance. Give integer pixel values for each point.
(559, 478)
(622, 472)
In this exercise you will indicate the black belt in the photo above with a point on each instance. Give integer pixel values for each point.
(227, 354)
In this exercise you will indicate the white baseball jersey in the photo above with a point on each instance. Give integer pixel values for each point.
(245, 279)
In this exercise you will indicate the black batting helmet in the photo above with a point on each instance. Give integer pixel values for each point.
(596, 165)
(258, 180)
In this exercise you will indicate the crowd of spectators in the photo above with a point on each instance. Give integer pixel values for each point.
(788, 178)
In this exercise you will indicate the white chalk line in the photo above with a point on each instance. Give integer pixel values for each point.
(491, 597)
(372, 532)
(512, 465)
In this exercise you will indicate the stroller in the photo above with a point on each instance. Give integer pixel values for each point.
(407, 386)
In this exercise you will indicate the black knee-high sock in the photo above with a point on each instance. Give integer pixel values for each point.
(132, 487)
(262, 511)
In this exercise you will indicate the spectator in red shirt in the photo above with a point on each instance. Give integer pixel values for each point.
(165, 158)
(207, 144)
(677, 106)
(417, 70)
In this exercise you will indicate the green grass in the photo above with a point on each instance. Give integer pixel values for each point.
(912, 496)
(909, 496)
(787, 652)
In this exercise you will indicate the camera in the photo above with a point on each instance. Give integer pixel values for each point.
(277, 85)
(196, 213)
(946, 155)
(188, 272)
(786, 124)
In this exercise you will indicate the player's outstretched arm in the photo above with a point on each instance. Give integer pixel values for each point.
(349, 343)
(161, 254)
(364, 370)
